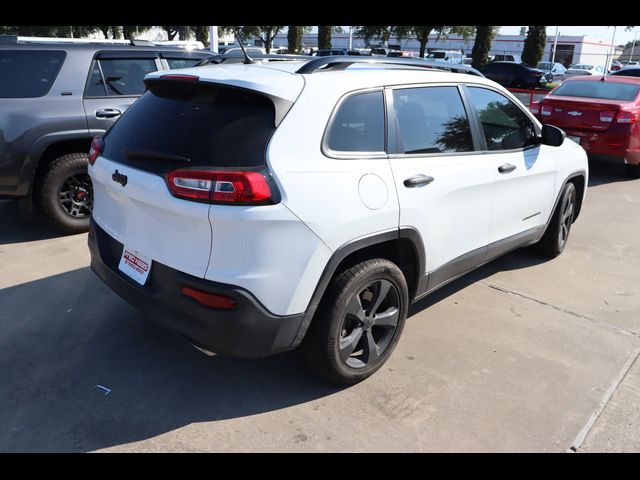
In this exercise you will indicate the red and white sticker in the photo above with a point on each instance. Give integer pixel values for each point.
(135, 265)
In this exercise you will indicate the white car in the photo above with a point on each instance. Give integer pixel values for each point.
(584, 69)
(255, 208)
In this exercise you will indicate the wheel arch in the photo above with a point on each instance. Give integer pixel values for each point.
(402, 246)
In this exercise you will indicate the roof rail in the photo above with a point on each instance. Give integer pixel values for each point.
(340, 62)
(8, 38)
(238, 58)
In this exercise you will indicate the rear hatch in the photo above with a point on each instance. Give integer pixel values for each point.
(179, 124)
(589, 106)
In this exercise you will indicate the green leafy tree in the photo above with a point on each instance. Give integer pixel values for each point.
(482, 45)
(130, 32)
(534, 45)
(371, 32)
(324, 37)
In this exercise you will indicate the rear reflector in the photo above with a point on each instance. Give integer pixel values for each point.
(97, 146)
(607, 116)
(546, 110)
(219, 186)
(207, 299)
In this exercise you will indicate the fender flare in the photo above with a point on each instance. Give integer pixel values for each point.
(352, 246)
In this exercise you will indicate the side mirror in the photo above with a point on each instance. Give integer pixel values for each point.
(552, 136)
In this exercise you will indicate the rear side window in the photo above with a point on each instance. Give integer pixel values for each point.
(432, 120)
(123, 76)
(181, 125)
(358, 125)
(28, 73)
(505, 125)
(605, 90)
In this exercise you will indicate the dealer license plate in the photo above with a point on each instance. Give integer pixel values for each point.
(135, 265)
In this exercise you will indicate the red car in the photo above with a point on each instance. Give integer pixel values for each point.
(601, 114)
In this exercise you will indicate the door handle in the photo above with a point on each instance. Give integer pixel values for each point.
(418, 180)
(506, 168)
(108, 113)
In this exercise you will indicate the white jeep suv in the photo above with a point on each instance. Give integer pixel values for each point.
(258, 208)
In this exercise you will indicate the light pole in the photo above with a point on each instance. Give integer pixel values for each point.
(633, 45)
(350, 37)
(213, 39)
(555, 46)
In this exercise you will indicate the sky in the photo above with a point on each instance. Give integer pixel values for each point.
(622, 36)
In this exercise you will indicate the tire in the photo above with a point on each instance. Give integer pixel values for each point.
(66, 193)
(556, 236)
(632, 171)
(347, 318)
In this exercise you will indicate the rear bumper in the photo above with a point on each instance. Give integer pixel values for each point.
(248, 330)
(607, 146)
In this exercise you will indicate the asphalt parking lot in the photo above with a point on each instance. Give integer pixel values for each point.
(524, 354)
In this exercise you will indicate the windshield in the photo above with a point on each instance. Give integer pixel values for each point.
(437, 55)
(545, 66)
(604, 90)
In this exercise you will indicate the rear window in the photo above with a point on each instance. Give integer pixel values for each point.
(28, 73)
(181, 125)
(604, 90)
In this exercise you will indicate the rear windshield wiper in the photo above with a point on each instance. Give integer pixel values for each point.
(151, 155)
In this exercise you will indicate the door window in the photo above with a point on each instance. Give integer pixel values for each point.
(505, 125)
(432, 120)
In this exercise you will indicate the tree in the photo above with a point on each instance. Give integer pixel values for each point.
(324, 37)
(294, 38)
(369, 32)
(482, 45)
(534, 45)
(201, 33)
(172, 31)
(130, 32)
(267, 34)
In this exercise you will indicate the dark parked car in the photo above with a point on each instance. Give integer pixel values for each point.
(515, 75)
(55, 96)
(628, 72)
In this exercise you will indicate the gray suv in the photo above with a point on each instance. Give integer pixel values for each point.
(54, 98)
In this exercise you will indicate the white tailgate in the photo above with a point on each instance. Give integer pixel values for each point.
(144, 216)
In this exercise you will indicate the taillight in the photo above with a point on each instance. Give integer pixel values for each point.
(535, 108)
(627, 117)
(546, 110)
(219, 186)
(209, 299)
(97, 146)
(607, 116)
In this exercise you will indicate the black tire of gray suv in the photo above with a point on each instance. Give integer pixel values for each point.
(633, 171)
(66, 194)
(555, 237)
(358, 323)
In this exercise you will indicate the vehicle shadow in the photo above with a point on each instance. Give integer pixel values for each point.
(65, 334)
(601, 173)
(516, 260)
(15, 228)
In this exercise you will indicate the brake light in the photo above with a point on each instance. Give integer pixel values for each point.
(97, 146)
(185, 78)
(209, 299)
(535, 108)
(627, 117)
(607, 116)
(546, 110)
(219, 186)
